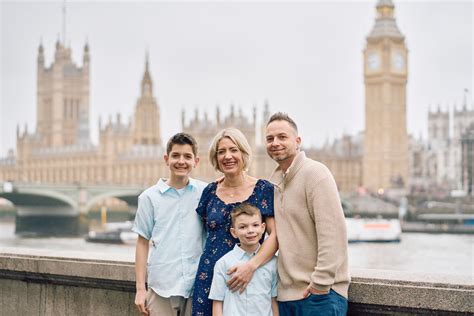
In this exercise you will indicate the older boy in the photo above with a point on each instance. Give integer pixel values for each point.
(166, 216)
(259, 298)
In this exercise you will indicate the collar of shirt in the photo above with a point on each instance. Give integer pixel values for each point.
(163, 186)
(279, 177)
(240, 253)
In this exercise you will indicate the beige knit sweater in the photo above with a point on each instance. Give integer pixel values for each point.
(311, 230)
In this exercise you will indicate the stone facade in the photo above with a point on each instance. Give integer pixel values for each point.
(439, 138)
(62, 116)
(463, 119)
(344, 158)
(60, 150)
(128, 153)
(419, 166)
(385, 159)
(444, 148)
(467, 160)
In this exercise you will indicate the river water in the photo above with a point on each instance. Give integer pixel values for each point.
(417, 252)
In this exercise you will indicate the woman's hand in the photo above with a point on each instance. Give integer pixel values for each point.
(241, 276)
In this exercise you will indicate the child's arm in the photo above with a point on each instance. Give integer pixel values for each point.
(217, 308)
(141, 257)
(275, 307)
(218, 288)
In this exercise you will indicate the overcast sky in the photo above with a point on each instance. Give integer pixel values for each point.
(305, 58)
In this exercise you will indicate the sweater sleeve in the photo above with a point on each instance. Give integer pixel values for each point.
(331, 232)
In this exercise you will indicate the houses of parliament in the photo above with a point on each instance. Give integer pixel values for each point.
(130, 153)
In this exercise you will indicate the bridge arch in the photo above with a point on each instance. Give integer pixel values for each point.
(39, 197)
(129, 196)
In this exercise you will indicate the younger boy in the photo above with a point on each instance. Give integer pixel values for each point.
(166, 216)
(259, 298)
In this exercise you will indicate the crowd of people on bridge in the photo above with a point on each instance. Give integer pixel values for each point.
(242, 245)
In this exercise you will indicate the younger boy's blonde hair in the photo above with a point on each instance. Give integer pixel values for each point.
(244, 208)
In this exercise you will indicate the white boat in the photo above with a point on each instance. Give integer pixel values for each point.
(373, 229)
(114, 233)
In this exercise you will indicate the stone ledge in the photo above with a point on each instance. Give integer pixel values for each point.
(371, 291)
(69, 280)
(67, 266)
(435, 292)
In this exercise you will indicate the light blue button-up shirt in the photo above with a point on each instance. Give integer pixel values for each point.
(256, 300)
(167, 217)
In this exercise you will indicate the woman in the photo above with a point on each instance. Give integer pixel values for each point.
(230, 154)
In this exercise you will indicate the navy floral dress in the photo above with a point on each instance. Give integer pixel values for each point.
(215, 215)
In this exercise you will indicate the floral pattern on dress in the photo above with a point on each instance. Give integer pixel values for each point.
(215, 215)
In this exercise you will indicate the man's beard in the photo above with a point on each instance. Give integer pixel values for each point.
(280, 157)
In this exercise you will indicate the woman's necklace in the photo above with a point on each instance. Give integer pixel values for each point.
(234, 192)
(235, 188)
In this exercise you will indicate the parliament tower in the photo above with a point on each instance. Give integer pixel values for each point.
(385, 160)
(146, 127)
(63, 99)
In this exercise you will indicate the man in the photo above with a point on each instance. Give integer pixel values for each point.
(311, 230)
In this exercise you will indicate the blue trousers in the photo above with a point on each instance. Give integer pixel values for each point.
(331, 304)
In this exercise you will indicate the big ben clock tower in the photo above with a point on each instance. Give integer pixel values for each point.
(385, 162)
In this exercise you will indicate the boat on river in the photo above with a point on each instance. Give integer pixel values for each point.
(114, 233)
(373, 229)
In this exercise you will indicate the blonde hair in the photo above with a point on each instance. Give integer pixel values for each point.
(238, 139)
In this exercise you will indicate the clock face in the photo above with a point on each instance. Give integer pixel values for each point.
(373, 61)
(398, 61)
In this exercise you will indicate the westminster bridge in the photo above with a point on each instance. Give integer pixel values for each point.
(56, 209)
(59, 209)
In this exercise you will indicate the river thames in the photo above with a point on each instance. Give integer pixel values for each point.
(417, 252)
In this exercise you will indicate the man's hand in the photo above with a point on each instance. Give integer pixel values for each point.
(241, 276)
(311, 290)
(140, 299)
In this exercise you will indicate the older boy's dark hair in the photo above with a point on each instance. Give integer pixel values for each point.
(244, 208)
(281, 116)
(181, 139)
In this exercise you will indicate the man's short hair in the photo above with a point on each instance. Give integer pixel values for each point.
(182, 139)
(238, 139)
(244, 208)
(281, 116)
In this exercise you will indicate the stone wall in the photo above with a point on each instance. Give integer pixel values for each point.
(70, 283)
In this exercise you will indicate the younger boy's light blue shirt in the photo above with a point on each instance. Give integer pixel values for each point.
(169, 220)
(256, 300)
